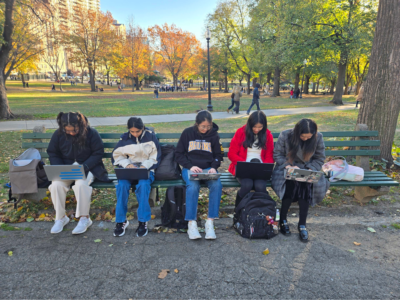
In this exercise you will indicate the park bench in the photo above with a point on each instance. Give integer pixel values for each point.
(359, 145)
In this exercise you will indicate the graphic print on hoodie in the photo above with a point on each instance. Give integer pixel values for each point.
(144, 150)
(200, 150)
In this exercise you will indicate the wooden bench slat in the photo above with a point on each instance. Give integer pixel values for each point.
(352, 152)
(363, 143)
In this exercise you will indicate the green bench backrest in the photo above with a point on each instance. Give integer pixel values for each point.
(172, 138)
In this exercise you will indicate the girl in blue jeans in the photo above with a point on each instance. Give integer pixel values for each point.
(137, 148)
(199, 150)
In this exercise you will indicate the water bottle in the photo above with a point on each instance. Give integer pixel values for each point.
(278, 216)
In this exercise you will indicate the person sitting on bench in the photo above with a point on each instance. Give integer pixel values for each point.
(75, 142)
(252, 142)
(138, 145)
(199, 150)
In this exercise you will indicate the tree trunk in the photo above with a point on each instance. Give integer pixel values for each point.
(317, 86)
(240, 82)
(23, 80)
(254, 82)
(332, 89)
(338, 96)
(380, 105)
(219, 85)
(277, 80)
(108, 77)
(226, 83)
(269, 78)
(297, 79)
(307, 83)
(6, 46)
(204, 82)
(358, 86)
(313, 88)
(136, 79)
(248, 83)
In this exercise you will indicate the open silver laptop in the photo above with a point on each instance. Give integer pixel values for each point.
(65, 172)
(203, 176)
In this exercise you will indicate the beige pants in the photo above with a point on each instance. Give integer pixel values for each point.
(83, 194)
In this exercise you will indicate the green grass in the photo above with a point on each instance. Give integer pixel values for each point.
(395, 225)
(38, 102)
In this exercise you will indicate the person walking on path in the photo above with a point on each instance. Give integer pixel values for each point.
(360, 95)
(299, 148)
(256, 98)
(236, 99)
(199, 150)
(291, 93)
(233, 103)
(75, 143)
(156, 93)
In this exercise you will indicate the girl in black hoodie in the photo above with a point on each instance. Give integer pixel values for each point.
(199, 150)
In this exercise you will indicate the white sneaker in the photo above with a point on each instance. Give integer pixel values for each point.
(209, 229)
(59, 225)
(193, 231)
(82, 226)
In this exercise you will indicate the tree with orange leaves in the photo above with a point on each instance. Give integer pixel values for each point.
(174, 48)
(89, 32)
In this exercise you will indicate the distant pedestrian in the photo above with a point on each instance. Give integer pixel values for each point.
(53, 87)
(156, 93)
(27, 84)
(256, 98)
(236, 99)
(291, 93)
(232, 104)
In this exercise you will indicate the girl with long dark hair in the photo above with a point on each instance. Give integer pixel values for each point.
(251, 143)
(199, 150)
(303, 148)
(137, 148)
(75, 142)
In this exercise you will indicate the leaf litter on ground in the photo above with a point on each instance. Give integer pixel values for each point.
(163, 273)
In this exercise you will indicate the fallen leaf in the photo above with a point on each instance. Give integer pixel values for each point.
(230, 216)
(350, 250)
(19, 208)
(371, 229)
(30, 219)
(42, 216)
(10, 253)
(153, 217)
(165, 230)
(110, 245)
(357, 244)
(97, 241)
(176, 271)
(266, 251)
(163, 273)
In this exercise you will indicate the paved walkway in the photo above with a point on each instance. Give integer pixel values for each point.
(113, 121)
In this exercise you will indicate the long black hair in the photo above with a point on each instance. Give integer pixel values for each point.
(78, 121)
(255, 118)
(304, 126)
(135, 122)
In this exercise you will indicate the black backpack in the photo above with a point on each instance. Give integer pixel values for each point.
(174, 209)
(168, 168)
(252, 211)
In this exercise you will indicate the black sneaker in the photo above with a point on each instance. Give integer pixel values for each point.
(119, 229)
(142, 229)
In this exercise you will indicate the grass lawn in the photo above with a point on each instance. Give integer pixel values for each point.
(38, 102)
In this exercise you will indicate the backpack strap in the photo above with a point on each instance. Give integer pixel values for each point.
(170, 197)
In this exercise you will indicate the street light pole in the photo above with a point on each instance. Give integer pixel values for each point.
(302, 80)
(208, 36)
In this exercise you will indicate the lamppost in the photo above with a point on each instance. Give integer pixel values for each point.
(302, 80)
(208, 36)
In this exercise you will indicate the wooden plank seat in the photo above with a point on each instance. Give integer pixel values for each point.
(337, 144)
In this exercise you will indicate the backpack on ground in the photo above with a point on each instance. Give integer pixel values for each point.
(252, 213)
(168, 168)
(26, 174)
(174, 209)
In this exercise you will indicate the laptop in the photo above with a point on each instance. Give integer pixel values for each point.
(203, 176)
(303, 175)
(132, 173)
(65, 172)
(254, 170)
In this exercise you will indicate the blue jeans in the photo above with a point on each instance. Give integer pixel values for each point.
(232, 105)
(142, 192)
(256, 102)
(192, 196)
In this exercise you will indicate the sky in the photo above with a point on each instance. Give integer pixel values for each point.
(187, 15)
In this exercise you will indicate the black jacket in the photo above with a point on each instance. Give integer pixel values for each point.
(63, 151)
(195, 149)
(256, 94)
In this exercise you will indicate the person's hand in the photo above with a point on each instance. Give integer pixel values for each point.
(292, 167)
(195, 169)
(212, 171)
(130, 167)
(142, 167)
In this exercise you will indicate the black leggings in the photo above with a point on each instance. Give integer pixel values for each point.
(247, 184)
(303, 205)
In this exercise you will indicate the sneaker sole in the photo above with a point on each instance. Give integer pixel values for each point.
(127, 224)
(195, 238)
(91, 222)
(210, 238)
(143, 234)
